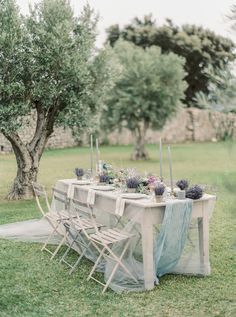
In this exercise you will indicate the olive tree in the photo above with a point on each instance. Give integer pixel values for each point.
(200, 47)
(48, 67)
(147, 91)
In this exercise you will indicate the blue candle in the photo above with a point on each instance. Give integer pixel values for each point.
(97, 157)
(91, 154)
(170, 166)
(160, 156)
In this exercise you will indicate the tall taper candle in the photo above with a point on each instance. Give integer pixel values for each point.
(97, 156)
(160, 156)
(170, 166)
(91, 154)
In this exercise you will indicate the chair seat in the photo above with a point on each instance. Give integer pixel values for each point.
(110, 236)
(61, 215)
(85, 223)
(65, 215)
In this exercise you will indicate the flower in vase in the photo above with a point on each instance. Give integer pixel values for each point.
(194, 192)
(79, 172)
(132, 182)
(159, 190)
(182, 184)
(104, 178)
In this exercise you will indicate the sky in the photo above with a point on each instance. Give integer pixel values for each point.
(210, 14)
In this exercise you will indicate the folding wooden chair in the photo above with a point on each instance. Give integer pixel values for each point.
(79, 228)
(55, 218)
(103, 241)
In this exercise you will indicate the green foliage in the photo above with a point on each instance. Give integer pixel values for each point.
(148, 89)
(13, 93)
(200, 48)
(47, 64)
(222, 91)
(48, 68)
(64, 70)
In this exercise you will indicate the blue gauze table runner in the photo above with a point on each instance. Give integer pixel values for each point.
(173, 233)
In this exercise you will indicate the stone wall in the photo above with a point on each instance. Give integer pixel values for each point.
(188, 125)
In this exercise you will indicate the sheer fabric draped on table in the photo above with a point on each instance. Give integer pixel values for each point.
(190, 261)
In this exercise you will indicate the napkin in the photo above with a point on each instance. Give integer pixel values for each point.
(91, 197)
(120, 206)
(70, 191)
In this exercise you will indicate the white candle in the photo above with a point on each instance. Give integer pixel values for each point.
(160, 155)
(91, 154)
(170, 166)
(97, 156)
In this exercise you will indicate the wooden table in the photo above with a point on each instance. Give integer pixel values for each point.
(150, 214)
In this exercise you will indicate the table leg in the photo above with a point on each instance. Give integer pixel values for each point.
(147, 248)
(203, 231)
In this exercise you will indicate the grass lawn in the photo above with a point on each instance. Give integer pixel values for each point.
(32, 286)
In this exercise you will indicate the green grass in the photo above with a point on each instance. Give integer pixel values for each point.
(32, 286)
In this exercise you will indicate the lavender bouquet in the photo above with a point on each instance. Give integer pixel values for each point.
(132, 184)
(194, 192)
(159, 191)
(79, 172)
(182, 184)
(104, 178)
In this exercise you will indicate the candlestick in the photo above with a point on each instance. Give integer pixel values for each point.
(91, 155)
(97, 156)
(170, 166)
(160, 154)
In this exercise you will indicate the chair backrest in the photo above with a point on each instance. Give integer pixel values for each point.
(40, 192)
(60, 196)
(84, 211)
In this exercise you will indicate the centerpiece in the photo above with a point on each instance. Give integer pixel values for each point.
(79, 172)
(182, 184)
(159, 191)
(194, 192)
(104, 179)
(132, 184)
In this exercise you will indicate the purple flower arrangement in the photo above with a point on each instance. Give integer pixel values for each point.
(79, 172)
(182, 184)
(194, 192)
(132, 182)
(159, 190)
(104, 178)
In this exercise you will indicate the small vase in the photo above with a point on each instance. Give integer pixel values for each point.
(131, 190)
(79, 178)
(159, 198)
(181, 194)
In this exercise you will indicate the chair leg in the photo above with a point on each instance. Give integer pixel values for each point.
(96, 263)
(79, 259)
(49, 238)
(118, 262)
(68, 249)
(59, 246)
(116, 258)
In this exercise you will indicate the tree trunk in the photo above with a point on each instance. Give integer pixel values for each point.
(139, 152)
(27, 157)
(27, 168)
(22, 185)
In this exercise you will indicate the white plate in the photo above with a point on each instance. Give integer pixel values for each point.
(133, 196)
(103, 188)
(81, 182)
